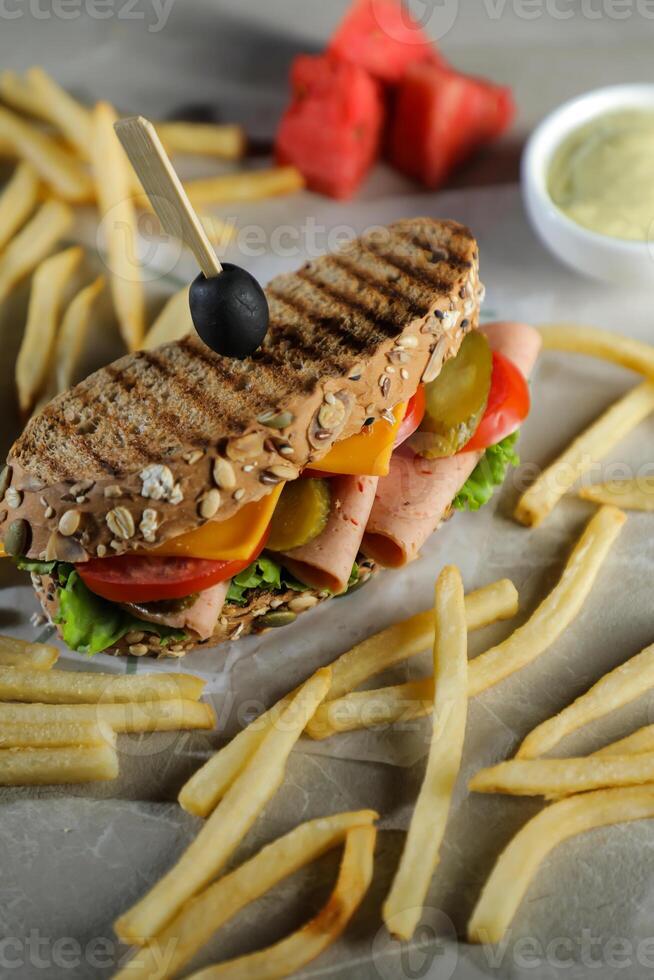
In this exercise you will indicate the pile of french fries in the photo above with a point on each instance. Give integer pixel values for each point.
(67, 155)
(59, 726)
(612, 785)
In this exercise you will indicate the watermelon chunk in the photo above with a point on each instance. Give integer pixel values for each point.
(382, 37)
(441, 117)
(332, 130)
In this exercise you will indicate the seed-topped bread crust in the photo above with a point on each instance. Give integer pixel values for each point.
(160, 442)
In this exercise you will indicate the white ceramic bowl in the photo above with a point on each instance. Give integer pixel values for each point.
(600, 256)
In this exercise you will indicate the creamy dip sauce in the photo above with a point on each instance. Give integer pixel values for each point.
(602, 175)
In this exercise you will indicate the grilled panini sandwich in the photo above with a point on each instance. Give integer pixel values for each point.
(177, 497)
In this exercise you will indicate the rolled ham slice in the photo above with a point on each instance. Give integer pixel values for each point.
(412, 500)
(326, 562)
(201, 617)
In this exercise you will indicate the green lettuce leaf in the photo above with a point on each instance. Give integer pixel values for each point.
(91, 624)
(263, 573)
(489, 473)
(36, 567)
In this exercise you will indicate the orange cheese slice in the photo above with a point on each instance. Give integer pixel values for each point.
(366, 454)
(232, 540)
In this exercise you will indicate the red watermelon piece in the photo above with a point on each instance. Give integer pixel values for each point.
(382, 37)
(441, 117)
(332, 130)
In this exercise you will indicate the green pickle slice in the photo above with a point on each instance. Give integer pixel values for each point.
(301, 514)
(456, 400)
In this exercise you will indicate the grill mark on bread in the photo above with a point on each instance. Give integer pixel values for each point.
(436, 282)
(373, 317)
(431, 248)
(411, 308)
(323, 324)
(201, 400)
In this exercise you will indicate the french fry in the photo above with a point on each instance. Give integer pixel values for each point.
(16, 92)
(22, 653)
(595, 342)
(48, 285)
(557, 610)
(142, 716)
(50, 767)
(201, 794)
(72, 119)
(406, 639)
(206, 139)
(289, 955)
(639, 741)
(203, 915)
(564, 777)
(402, 702)
(206, 787)
(588, 448)
(635, 494)
(520, 860)
(17, 201)
(113, 189)
(77, 687)
(402, 908)
(58, 168)
(56, 735)
(615, 689)
(230, 821)
(72, 334)
(250, 185)
(173, 323)
(32, 244)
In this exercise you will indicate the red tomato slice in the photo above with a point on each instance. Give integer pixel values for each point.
(413, 416)
(508, 405)
(145, 578)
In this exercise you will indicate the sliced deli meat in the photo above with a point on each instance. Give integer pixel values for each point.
(200, 616)
(414, 498)
(326, 562)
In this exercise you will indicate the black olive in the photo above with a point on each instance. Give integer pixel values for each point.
(229, 311)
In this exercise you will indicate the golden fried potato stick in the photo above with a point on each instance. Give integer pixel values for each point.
(202, 916)
(595, 342)
(17, 201)
(50, 767)
(173, 323)
(249, 185)
(48, 286)
(618, 687)
(111, 170)
(229, 822)
(141, 716)
(637, 494)
(72, 119)
(32, 244)
(58, 168)
(519, 861)
(289, 955)
(70, 340)
(55, 735)
(403, 702)
(400, 642)
(592, 445)
(22, 653)
(206, 139)
(641, 740)
(16, 92)
(563, 777)
(78, 687)
(403, 905)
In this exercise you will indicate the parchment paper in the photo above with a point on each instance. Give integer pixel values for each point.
(72, 859)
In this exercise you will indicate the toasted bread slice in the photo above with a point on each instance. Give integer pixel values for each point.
(351, 335)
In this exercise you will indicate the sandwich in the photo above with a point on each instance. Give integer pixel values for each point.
(178, 498)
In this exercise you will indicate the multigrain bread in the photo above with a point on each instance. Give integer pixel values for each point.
(162, 441)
